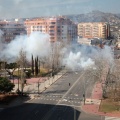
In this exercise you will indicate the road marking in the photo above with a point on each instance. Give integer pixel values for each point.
(71, 88)
(111, 118)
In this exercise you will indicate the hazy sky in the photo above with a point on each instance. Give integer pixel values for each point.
(36, 8)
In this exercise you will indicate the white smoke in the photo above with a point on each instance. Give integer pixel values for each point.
(1, 33)
(2, 45)
(75, 61)
(37, 44)
(82, 56)
(75, 57)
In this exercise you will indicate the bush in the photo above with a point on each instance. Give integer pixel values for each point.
(28, 73)
(5, 85)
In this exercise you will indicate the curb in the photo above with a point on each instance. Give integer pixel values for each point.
(96, 112)
(47, 87)
(32, 97)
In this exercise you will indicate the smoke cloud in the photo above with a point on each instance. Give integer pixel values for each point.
(80, 57)
(2, 45)
(37, 44)
(76, 61)
(74, 57)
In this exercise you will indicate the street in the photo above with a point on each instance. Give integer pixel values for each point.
(61, 101)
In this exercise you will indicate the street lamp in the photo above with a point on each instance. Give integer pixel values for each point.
(84, 93)
(39, 84)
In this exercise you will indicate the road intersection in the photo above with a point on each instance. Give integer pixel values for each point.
(60, 101)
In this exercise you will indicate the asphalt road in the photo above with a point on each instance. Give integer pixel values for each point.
(60, 101)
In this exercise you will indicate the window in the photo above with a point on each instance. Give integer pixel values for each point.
(52, 23)
(51, 26)
(52, 31)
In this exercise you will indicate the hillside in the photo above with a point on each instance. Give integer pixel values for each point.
(95, 16)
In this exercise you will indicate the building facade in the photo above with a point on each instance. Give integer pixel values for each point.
(11, 29)
(59, 28)
(94, 30)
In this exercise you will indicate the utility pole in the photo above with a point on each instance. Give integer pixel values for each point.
(84, 91)
(38, 86)
(52, 60)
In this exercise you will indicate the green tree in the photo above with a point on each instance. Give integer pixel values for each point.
(32, 67)
(36, 66)
(5, 85)
(37, 62)
(10, 68)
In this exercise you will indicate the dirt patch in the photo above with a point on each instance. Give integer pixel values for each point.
(109, 106)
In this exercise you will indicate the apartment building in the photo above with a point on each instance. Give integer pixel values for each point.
(94, 30)
(11, 29)
(59, 28)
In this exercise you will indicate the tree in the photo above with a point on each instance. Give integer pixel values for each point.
(37, 62)
(39, 66)
(10, 68)
(113, 82)
(32, 68)
(36, 66)
(22, 63)
(5, 85)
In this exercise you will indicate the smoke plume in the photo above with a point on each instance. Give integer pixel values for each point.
(74, 57)
(80, 57)
(37, 44)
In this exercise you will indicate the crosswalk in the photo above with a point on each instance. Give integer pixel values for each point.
(111, 118)
(53, 99)
(59, 96)
(68, 101)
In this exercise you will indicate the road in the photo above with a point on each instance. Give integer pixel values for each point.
(60, 101)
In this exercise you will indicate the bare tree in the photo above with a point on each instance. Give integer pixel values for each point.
(113, 82)
(22, 62)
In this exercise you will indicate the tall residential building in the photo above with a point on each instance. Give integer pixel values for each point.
(11, 29)
(94, 30)
(59, 28)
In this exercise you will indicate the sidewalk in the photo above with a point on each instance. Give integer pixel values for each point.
(42, 82)
(32, 87)
(92, 104)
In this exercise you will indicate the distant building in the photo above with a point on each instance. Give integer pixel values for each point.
(11, 30)
(94, 30)
(93, 42)
(117, 40)
(59, 28)
(85, 41)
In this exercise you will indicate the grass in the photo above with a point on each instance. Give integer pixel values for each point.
(42, 71)
(109, 106)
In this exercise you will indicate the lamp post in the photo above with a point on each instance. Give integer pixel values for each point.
(39, 84)
(84, 98)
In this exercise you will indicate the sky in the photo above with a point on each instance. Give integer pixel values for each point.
(38, 8)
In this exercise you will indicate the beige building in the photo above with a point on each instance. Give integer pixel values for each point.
(59, 28)
(93, 30)
(11, 29)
